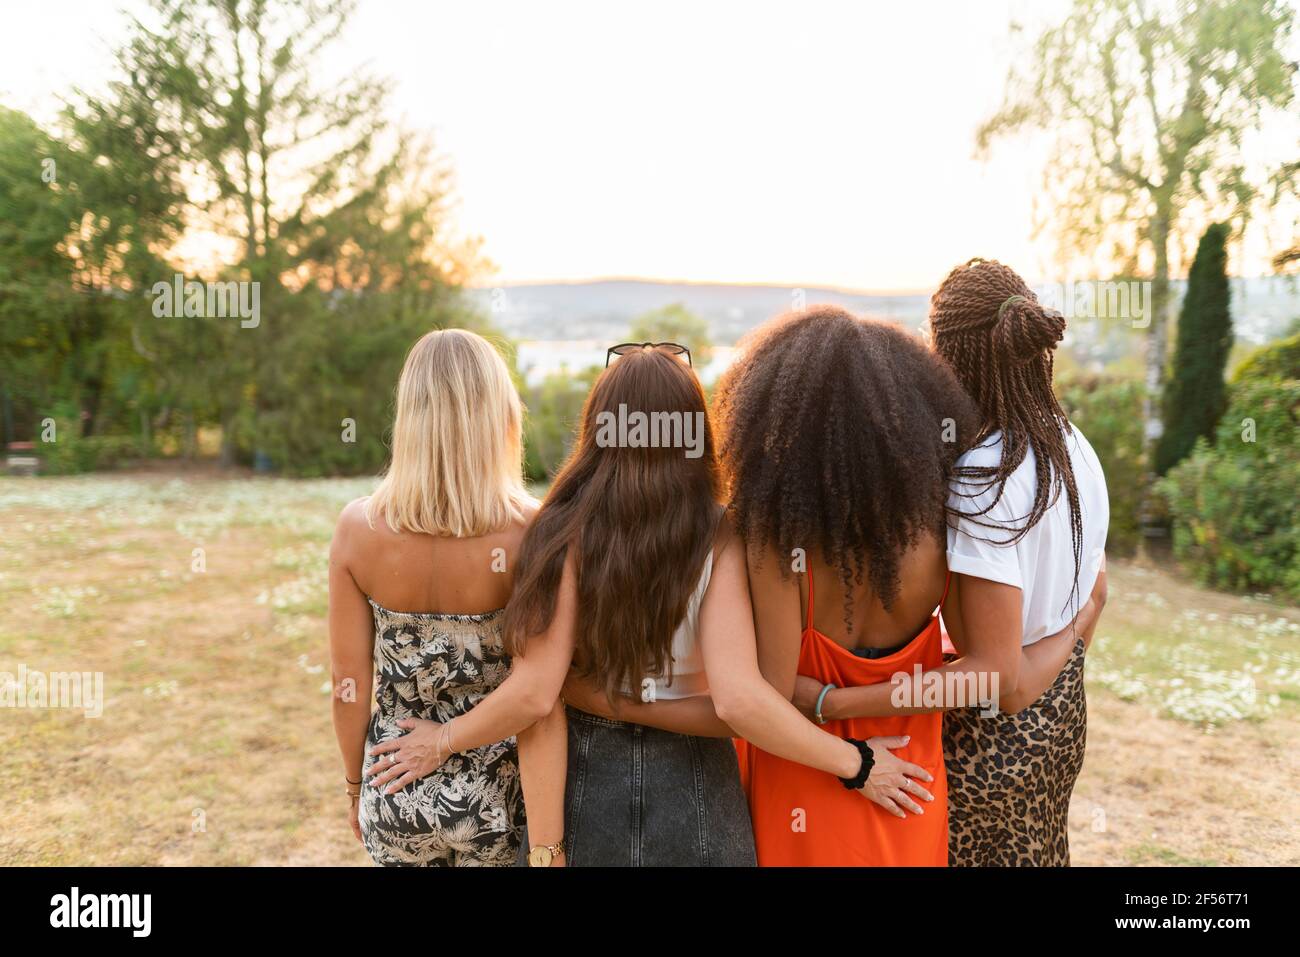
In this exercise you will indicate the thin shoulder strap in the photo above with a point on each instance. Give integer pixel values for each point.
(947, 583)
(808, 624)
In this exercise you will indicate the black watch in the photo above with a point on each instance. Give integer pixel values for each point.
(868, 761)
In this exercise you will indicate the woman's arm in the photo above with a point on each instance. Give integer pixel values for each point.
(352, 638)
(982, 635)
(527, 696)
(761, 715)
(543, 769)
(778, 617)
(694, 715)
(991, 659)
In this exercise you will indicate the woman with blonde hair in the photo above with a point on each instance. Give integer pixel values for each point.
(419, 575)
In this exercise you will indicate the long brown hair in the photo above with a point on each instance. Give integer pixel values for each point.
(640, 521)
(999, 340)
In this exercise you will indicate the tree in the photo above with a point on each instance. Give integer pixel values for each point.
(1196, 396)
(307, 190)
(675, 323)
(77, 237)
(1150, 102)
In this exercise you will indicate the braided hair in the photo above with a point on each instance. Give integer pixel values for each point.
(998, 338)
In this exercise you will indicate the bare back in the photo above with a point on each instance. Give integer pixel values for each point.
(412, 572)
(922, 572)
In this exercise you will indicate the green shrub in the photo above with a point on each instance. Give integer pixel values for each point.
(1107, 409)
(1277, 360)
(1233, 505)
(71, 452)
(554, 407)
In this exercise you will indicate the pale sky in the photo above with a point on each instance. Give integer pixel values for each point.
(798, 143)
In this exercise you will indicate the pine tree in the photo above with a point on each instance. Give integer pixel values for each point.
(1196, 396)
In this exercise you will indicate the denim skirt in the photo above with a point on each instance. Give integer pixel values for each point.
(641, 797)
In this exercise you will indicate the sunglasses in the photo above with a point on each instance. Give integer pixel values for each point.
(623, 348)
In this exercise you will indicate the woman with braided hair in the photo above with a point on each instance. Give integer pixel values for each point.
(1026, 515)
(1026, 538)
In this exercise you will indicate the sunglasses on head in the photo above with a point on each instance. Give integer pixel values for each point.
(623, 348)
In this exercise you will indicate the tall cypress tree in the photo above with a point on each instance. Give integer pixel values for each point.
(1196, 396)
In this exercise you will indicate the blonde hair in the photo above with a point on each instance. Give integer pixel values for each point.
(457, 463)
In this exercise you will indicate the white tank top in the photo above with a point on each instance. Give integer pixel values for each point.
(688, 676)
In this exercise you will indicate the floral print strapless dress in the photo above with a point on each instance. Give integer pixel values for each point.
(469, 812)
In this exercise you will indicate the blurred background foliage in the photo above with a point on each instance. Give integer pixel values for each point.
(214, 153)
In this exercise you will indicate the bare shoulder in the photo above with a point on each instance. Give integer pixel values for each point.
(352, 524)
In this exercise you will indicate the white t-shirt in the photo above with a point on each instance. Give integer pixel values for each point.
(1041, 564)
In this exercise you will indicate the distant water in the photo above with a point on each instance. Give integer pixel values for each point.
(603, 310)
(569, 325)
(539, 358)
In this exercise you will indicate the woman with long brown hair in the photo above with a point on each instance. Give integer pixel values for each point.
(631, 574)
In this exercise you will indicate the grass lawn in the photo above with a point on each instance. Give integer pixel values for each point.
(202, 601)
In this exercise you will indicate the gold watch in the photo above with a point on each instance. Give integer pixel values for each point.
(542, 855)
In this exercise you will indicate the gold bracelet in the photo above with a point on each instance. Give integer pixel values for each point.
(444, 743)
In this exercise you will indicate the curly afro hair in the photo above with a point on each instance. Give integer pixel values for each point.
(840, 433)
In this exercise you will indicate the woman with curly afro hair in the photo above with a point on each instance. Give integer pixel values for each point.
(838, 436)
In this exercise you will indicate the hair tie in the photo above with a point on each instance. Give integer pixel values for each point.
(1010, 299)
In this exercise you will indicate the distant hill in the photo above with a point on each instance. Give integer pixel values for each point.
(603, 309)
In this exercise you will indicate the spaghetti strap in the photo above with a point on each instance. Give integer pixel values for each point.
(808, 623)
(947, 582)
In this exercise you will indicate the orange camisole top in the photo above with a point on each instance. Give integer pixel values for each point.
(805, 817)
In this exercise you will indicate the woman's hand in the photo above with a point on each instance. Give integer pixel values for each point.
(354, 809)
(806, 692)
(408, 758)
(890, 782)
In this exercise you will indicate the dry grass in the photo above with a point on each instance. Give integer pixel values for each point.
(215, 745)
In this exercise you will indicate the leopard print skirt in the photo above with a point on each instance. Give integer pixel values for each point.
(1010, 777)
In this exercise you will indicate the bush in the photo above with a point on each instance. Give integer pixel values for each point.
(71, 452)
(1108, 410)
(1277, 360)
(554, 407)
(1234, 505)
